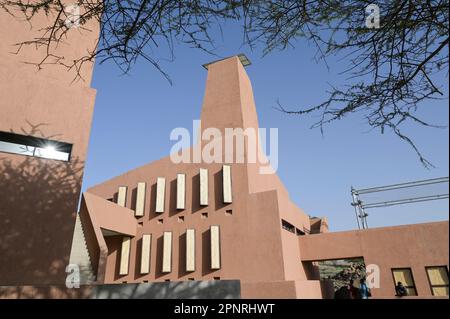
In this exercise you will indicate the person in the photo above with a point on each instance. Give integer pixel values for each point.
(400, 290)
(364, 291)
(352, 290)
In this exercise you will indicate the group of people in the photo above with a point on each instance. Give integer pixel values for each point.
(351, 292)
(363, 292)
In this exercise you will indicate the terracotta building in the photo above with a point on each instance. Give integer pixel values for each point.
(166, 221)
(198, 221)
(45, 121)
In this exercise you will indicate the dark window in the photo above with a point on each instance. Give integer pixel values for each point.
(438, 278)
(287, 226)
(204, 215)
(34, 146)
(299, 232)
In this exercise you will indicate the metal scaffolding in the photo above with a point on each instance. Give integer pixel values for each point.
(404, 193)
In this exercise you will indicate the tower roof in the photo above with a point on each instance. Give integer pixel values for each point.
(242, 57)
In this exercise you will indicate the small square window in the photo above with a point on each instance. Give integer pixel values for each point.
(160, 221)
(228, 212)
(204, 215)
(180, 219)
(167, 280)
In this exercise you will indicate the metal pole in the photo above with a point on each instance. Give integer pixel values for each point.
(356, 205)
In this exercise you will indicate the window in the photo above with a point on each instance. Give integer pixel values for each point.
(204, 215)
(180, 219)
(438, 278)
(34, 146)
(287, 226)
(300, 232)
(228, 212)
(405, 276)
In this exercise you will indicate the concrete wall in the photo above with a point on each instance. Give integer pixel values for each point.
(39, 197)
(288, 289)
(411, 246)
(224, 289)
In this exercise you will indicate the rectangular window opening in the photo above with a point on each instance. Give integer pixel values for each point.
(438, 279)
(287, 226)
(405, 276)
(34, 146)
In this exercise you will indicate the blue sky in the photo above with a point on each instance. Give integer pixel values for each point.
(135, 113)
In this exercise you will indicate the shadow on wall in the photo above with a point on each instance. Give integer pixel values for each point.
(224, 289)
(171, 290)
(38, 201)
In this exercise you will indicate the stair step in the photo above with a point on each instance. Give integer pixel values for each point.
(79, 254)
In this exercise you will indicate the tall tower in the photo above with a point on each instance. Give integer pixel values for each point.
(44, 131)
(168, 221)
